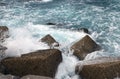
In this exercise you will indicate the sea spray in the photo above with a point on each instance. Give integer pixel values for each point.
(21, 42)
(46, 0)
(66, 69)
(64, 36)
(24, 39)
(95, 54)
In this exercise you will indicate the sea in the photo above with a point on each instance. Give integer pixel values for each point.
(28, 20)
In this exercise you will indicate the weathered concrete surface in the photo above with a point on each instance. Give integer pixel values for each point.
(41, 62)
(101, 68)
(84, 46)
(48, 39)
(35, 77)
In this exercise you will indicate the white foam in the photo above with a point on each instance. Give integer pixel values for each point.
(22, 38)
(46, 0)
(21, 42)
(94, 55)
(66, 69)
(63, 36)
(43, 1)
(116, 78)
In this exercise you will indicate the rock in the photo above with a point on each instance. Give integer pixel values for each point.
(1, 68)
(2, 4)
(35, 77)
(3, 28)
(41, 62)
(85, 30)
(50, 23)
(48, 39)
(84, 46)
(3, 36)
(101, 68)
(2, 48)
(3, 33)
(1, 74)
(2, 52)
(55, 24)
(8, 77)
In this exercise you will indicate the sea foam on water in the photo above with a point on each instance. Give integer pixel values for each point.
(21, 42)
(66, 69)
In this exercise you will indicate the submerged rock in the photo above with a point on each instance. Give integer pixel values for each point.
(41, 62)
(2, 4)
(55, 24)
(3, 33)
(51, 23)
(35, 77)
(48, 39)
(101, 68)
(84, 46)
(85, 30)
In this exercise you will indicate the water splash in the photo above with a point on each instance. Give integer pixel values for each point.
(66, 69)
(21, 42)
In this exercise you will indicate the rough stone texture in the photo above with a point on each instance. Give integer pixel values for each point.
(2, 52)
(2, 68)
(106, 68)
(35, 77)
(48, 39)
(3, 28)
(41, 62)
(8, 77)
(84, 46)
(3, 33)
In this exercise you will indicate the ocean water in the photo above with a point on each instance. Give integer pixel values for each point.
(27, 21)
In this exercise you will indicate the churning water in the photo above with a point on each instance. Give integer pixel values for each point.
(26, 20)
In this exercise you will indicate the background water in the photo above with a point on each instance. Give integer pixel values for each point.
(26, 20)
